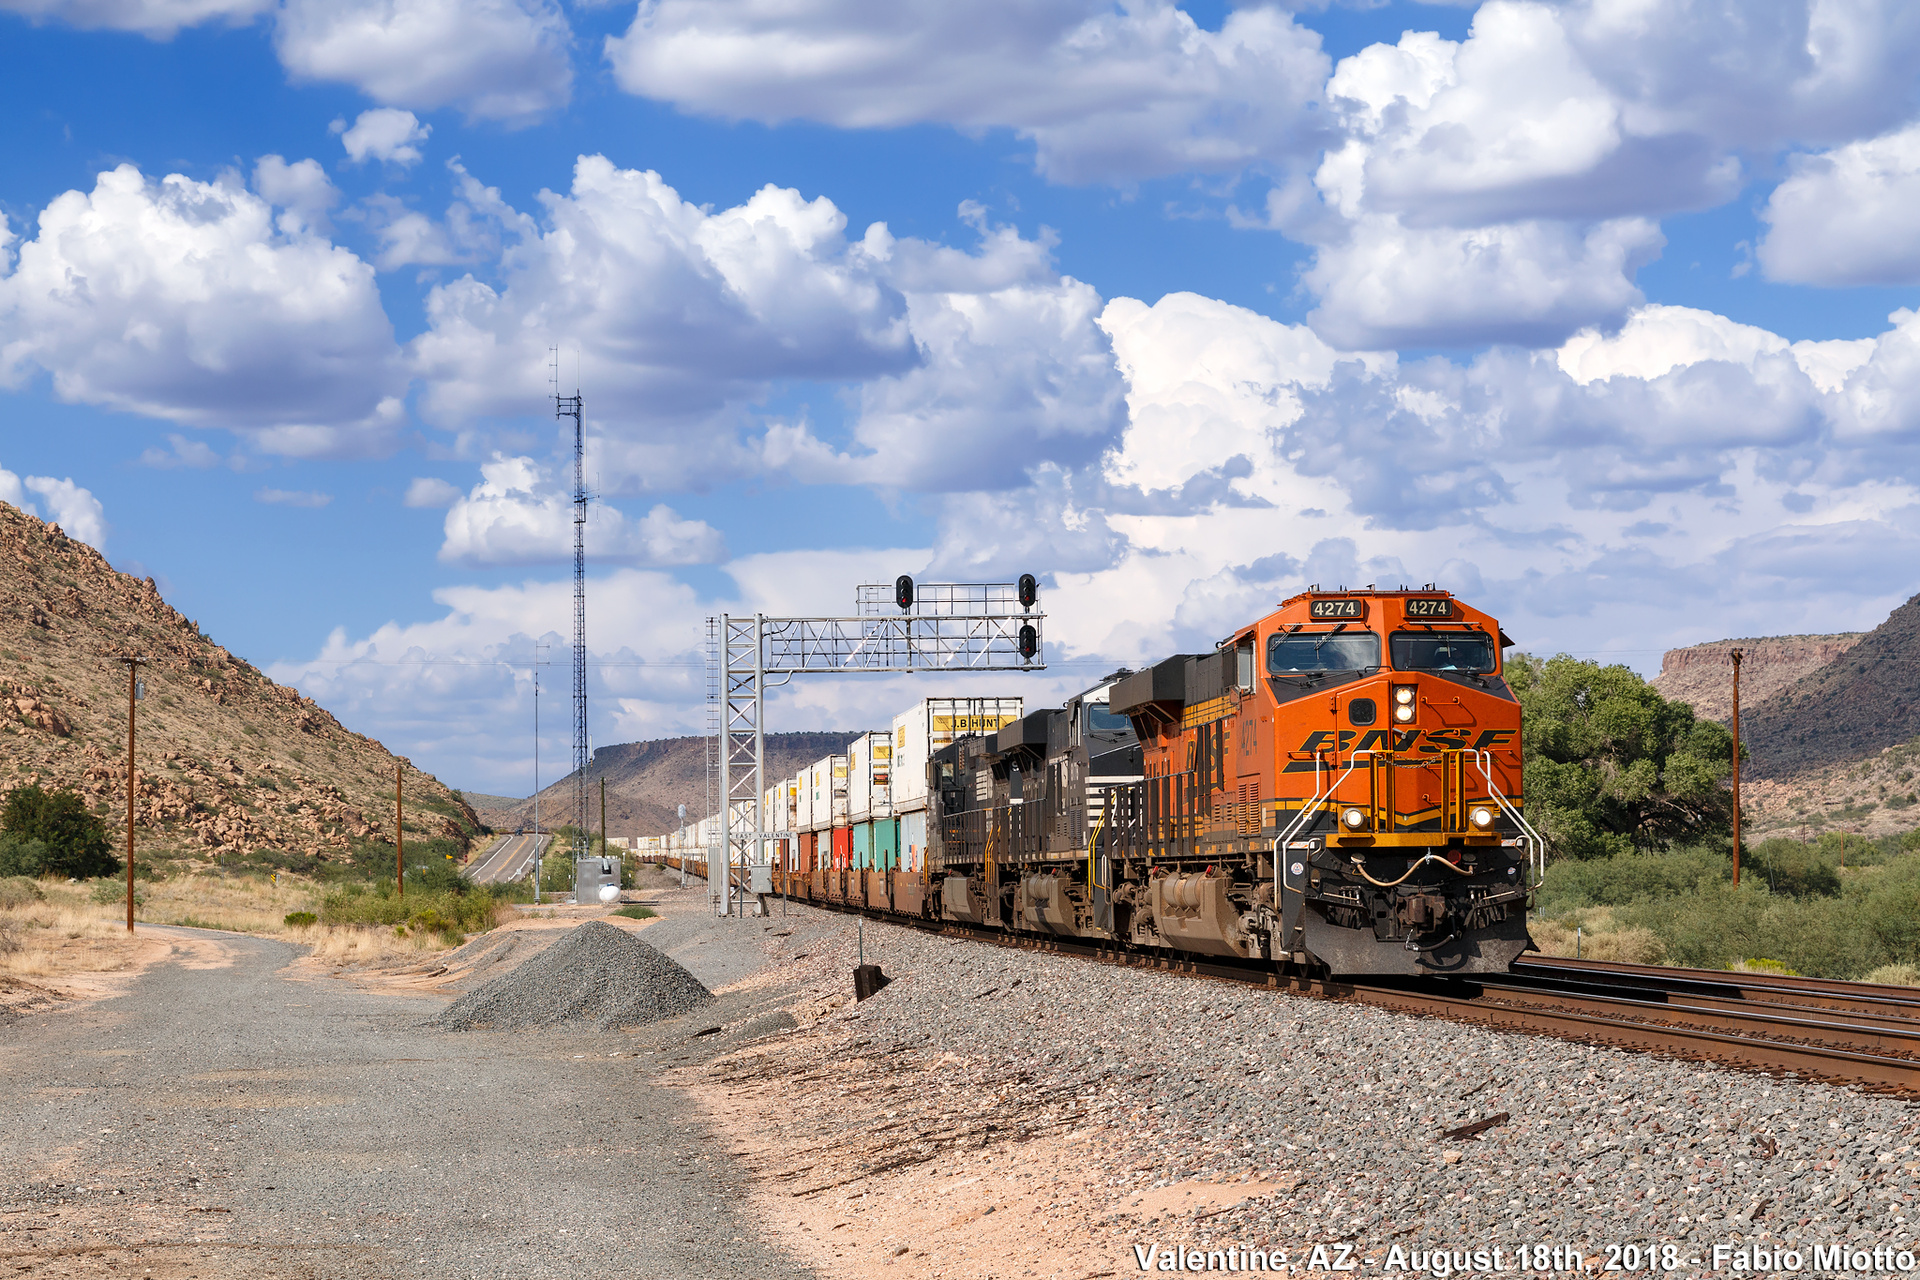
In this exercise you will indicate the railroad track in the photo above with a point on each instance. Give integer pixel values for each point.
(1839, 1032)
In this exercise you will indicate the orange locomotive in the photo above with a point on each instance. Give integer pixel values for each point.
(1335, 787)
(1364, 742)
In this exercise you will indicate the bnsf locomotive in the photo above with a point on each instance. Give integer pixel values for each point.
(1334, 788)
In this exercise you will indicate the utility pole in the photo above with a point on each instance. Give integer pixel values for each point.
(399, 835)
(1737, 656)
(133, 695)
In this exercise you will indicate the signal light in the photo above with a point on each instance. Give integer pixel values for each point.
(1029, 641)
(1029, 591)
(1354, 818)
(903, 592)
(1482, 818)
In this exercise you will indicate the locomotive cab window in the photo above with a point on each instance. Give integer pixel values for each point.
(1304, 652)
(1101, 720)
(1443, 651)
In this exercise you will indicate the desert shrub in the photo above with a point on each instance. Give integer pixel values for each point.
(1759, 964)
(109, 892)
(19, 891)
(73, 842)
(1793, 868)
(1895, 975)
(1632, 877)
(637, 913)
(301, 919)
(449, 914)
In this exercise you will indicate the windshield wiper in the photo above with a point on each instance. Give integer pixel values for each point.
(1330, 635)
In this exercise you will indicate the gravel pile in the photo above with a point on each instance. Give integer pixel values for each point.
(598, 974)
(1186, 1079)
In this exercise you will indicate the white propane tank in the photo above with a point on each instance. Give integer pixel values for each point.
(609, 893)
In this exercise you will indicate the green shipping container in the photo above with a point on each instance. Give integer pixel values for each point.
(863, 845)
(886, 844)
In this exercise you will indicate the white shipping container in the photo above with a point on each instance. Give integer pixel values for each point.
(869, 765)
(838, 787)
(820, 793)
(933, 723)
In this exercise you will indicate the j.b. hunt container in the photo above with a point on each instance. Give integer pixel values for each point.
(933, 723)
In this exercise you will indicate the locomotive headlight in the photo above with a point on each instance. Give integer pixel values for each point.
(1403, 714)
(1355, 818)
(1482, 818)
(1403, 695)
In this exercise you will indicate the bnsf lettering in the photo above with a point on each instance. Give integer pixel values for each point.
(1425, 743)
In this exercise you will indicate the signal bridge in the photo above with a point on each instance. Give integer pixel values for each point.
(905, 628)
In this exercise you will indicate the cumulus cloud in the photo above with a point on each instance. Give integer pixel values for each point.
(666, 304)
(678, 316)
(1106, 92)
(155, 19)
(65, 503)
(302, 191)
(1501, 188)
(1531, 283)
(384, 133)
(493, 59)
(518, 514)
(1849, 216)
(181, 300)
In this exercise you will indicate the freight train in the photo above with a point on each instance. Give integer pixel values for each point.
(1335, 788)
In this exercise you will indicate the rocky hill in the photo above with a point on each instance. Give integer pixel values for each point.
(228, 761)
(647, 781)
(1702, 674)
(1863, 701)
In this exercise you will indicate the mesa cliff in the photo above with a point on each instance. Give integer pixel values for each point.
(1702, 674)
(228, 761)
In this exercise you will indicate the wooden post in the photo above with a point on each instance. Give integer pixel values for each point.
(1737, 656)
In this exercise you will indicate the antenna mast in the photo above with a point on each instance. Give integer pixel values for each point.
(569, 407)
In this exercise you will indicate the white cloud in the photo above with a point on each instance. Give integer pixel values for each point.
(1533, 283)
(667, 305)
(302, 190)
(518, 514)
(384, 133)
(1012, 362)
(155, 19)
(1847, 217)
(74, 509)
(292, 498)
(493, 59)
(177, 299)
(1107, 93)
(678, 316)
(431, 491)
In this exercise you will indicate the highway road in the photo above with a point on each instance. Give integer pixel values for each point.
(507, 859)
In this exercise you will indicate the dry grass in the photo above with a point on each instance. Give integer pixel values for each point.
(1895, 975)
(1598, 938)
(67, 933)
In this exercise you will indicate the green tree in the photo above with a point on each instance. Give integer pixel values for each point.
(1610, 766)
(72, 840)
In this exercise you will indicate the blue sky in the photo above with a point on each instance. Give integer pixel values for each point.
(1582, 309)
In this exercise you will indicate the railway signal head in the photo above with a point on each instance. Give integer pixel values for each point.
(1029, 641)
(1029, 591)
(903, 592)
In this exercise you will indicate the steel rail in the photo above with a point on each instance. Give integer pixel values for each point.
(1708, 1035)
(1834, 993)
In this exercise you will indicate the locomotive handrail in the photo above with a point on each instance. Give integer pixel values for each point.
(1306, 810)
(1484, 759)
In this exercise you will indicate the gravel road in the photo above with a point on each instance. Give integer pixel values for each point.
(251, 1120)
